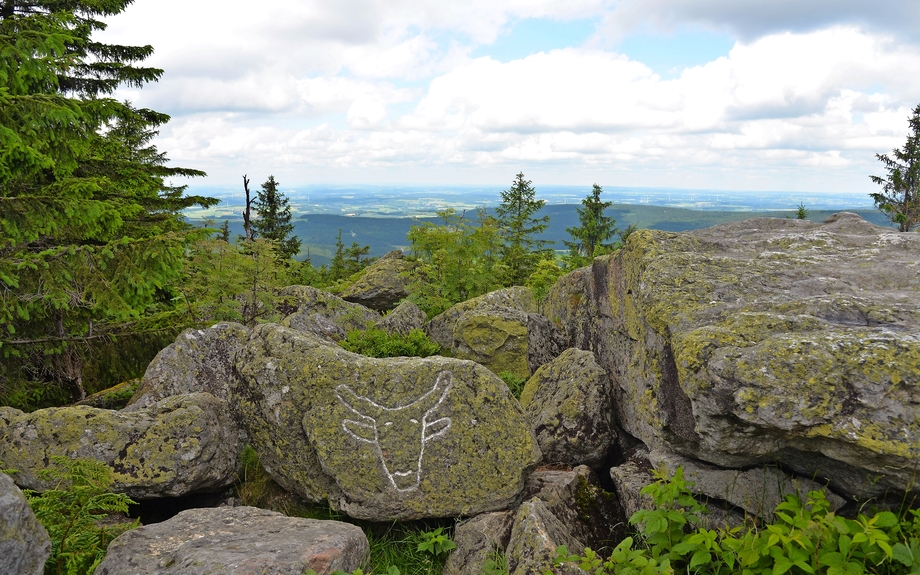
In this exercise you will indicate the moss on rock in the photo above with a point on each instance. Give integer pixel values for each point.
(180, 445)
(760, 340)
(337, 426)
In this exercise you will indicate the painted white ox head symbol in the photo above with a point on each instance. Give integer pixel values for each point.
(399, 433)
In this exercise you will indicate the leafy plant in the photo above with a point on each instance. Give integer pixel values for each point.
(435, 542)
(375, 342)
(71, 513)
(804, 538)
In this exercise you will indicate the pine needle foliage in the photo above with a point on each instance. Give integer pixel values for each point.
(900, 195)
(519, 226)
(91, 235)
(274, 221)
(594, 229)
(72, 513)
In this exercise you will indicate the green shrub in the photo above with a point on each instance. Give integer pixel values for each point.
(378, 343)
(804, 538)
(73, 511)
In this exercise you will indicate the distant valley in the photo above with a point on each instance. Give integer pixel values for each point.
(318, 231)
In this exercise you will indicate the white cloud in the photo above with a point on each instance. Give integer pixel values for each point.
(750, 20)
(387, 89)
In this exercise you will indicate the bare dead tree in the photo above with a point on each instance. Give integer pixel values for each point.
(247, 226)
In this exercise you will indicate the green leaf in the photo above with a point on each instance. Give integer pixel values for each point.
(902, 554)
(701, 557)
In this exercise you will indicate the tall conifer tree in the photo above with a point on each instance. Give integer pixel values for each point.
(900, 195)
(594, 227)
(274, 222)
(92, 236)
(519, 226)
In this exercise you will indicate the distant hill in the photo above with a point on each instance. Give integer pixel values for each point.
(318, 231)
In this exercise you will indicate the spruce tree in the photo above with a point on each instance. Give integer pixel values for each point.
(274, 221)
(519, 226)
(900, 195)
(595, 228)
(92, 235)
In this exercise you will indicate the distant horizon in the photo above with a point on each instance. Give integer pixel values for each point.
(423, 201)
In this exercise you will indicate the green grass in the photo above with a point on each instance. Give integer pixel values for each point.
(514, 382)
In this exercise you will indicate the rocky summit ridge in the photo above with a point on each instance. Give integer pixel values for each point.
(764, 357)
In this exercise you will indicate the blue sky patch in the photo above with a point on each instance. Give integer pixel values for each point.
(668, 54)
(533, 35)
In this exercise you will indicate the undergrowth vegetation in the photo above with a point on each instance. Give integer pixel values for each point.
(375, 342)
(805, 537)
(80, 514)
(514, 382)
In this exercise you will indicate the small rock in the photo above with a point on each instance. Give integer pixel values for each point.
(534, 538)
(575, 498)
(200, 360)
(324, 314)
(477, 539)
(406, 317)
(570, 408)
(382, 284)
(236, 541)
(499, 330)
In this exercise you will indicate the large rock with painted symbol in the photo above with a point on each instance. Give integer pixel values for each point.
(382, 439)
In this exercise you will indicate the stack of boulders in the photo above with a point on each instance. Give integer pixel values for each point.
(765, 358)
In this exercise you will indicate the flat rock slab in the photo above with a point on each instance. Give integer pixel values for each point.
(763, 341)
(236, 541)
(180, 445)
(382, 439)
(24, 543)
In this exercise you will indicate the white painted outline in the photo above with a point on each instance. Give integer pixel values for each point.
(445, 380)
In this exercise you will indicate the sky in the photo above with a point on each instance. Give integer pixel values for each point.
(794, 95)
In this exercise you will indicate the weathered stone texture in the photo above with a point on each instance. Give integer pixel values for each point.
(24, 543)
(236, 541)
(534, 538)
(180, 445)
(499, 330)
(382, 439)
(763, 341)
(478, 539)
(382, 284)
(406, 317)
(200, 360)
(324, 314)
(570, 408)
(589, 514)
